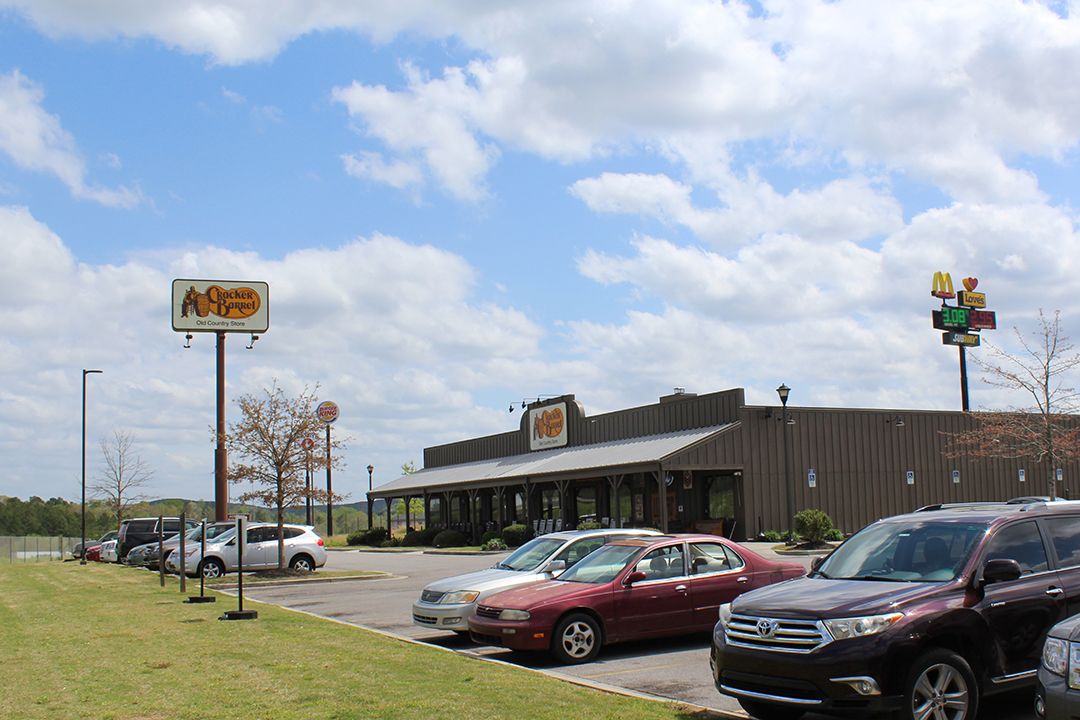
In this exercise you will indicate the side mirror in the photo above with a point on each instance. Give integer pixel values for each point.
(1000, 570)
(634, 577)
(555, 567)
(816, 563)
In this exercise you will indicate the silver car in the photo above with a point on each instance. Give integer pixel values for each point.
(147, 555)
(447, 604)
(304, 550)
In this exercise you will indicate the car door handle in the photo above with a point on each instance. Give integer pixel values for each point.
(742, 580)
(1055, 592)
(680, 588)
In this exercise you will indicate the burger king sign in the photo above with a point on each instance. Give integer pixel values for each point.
(327, 412)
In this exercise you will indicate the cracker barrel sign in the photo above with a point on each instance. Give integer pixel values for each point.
(220, 306)
(547, 426)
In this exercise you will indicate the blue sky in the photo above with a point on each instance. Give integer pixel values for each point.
(458, 206)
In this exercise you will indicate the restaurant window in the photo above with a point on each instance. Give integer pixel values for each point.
(585, 501)
(719, 501)
(550, 504)
(435, 508)
(520, 511)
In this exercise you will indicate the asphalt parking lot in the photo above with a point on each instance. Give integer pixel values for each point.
(674, 668)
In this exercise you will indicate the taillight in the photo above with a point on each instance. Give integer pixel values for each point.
(320, 543)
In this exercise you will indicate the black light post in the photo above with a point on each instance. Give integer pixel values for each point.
(370, 469)
(82, 553)
(783, 391)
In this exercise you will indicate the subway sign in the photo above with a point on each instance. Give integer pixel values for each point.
(959, 338)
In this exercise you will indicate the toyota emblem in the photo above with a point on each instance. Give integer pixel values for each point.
(766, 627)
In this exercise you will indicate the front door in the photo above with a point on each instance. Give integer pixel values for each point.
(1021, 612)
(659, 604)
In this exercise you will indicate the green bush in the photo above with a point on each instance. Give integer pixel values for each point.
(490, 534)
(450, 538)
(772, 536)
(391, 542)
(414, 538)
(373, 537)
(812, 525)
(589, 525)
(427, 535)
(834, 535)
(495, 543)
(514, 535)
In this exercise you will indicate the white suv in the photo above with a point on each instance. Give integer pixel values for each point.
(304, 550)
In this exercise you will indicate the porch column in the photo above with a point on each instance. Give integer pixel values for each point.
(407, 523)
(615, 482)
(659, 474)
(498, 495)
(473, 520)
(447, 513)
(561, 486)
(389, 529)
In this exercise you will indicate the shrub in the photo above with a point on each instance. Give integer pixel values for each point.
(589, 525)
(834, 535)
(374, 537)
(391, 542)
(514, 535)
(449, 538)
(495, 543)
(489, 535)
(812, 525)
(427, 535)
(413, 538)
(772, 536)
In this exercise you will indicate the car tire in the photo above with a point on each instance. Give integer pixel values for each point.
(577, 639)
(768, 711)
(303, 563)
(212, 568)
(944, 680)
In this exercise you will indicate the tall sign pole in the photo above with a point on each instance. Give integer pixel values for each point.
(307, 443)
(220, 307)
(328, 412)
(959, 322)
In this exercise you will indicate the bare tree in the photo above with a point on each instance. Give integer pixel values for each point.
(267, 441)
(124, 473)
(1044, 429)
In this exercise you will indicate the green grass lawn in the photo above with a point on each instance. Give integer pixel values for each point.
(99, 641)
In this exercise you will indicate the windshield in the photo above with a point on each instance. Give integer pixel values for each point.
(602, 565)
(531, 554)
(915, 551)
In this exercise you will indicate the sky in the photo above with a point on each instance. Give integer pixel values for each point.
(461, 205)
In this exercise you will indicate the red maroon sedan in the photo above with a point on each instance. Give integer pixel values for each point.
(627, 590)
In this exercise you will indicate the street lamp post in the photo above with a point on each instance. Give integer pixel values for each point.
(82, 553)
(370, 469)
(783, 391)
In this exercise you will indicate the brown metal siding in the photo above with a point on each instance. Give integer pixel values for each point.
(673, 413)
(861, 458)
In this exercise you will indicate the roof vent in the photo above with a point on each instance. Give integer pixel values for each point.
(678, 391)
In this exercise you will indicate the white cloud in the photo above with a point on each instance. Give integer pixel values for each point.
(391, 330)
(35, 140)
(372, 166)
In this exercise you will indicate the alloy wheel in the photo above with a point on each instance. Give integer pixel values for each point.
(940, 693)
(578, 639)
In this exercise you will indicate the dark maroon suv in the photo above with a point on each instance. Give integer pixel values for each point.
(920, 614)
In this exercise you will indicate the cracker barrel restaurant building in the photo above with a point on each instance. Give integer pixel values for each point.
(708, 463)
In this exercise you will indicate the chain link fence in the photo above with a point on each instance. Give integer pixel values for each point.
(35, 548)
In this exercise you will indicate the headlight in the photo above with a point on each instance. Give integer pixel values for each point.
(843, 628)
(725, 614)
(1074, 665)
(460, 597)
(1055, 655)
(509, 614)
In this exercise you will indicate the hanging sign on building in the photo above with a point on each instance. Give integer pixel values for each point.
(547, 427)
(811, 478)
(220, 306)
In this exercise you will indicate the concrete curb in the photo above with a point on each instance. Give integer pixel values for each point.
(305, 581)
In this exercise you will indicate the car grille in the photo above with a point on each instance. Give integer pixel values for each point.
(778, 634)
(488, 612)
(431, 596)
(425, 619)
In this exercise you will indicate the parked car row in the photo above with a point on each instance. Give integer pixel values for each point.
(571, 593)
(304, 549)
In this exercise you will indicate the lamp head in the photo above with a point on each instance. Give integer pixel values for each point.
(783, 391)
